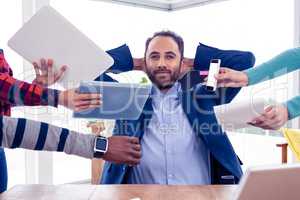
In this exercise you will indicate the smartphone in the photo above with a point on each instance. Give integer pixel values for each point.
(214, 69)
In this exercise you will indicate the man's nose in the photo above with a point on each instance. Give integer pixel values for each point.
(162, 64)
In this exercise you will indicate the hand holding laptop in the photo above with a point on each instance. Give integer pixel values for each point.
(76, 101)
(240, 114)
(273, 118)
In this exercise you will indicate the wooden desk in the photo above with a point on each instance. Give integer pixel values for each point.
(118, 192)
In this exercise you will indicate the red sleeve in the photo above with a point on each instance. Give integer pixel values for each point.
(15, 92)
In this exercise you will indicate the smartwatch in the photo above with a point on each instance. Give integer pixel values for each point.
(100, 146)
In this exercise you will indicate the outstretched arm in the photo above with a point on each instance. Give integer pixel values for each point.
(28, 134)
(17, 92)
(283, 63)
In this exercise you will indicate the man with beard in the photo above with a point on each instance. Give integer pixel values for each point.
(180, 138)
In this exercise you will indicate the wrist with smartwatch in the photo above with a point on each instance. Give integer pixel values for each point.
(100, 146)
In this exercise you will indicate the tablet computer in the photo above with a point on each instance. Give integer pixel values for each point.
(120, 100)
(49, 35)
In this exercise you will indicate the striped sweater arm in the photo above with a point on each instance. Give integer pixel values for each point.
(33, 135)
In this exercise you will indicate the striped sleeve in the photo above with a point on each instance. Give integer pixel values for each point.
(17, 92)
(33, 135)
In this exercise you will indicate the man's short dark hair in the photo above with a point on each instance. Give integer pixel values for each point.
(178, 39)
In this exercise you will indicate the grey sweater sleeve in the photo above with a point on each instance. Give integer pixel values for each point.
(33, 135)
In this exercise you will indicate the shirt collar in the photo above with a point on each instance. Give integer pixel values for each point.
(173, 92)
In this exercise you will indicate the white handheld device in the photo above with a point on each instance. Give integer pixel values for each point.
(214, 68)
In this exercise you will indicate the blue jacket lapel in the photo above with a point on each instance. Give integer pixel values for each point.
(217, 141)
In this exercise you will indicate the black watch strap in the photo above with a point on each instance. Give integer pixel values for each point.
(98, 154)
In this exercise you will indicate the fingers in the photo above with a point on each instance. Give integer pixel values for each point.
(268, 116)
(101, 126)
(134, 162)
(227, 84)
(136, 154)
(86, 107)
(231, 78)
(44, 67)
(272, 124)
(59, 74)
(84, 97)
(78, 101)
(36, 69)
(268, 120)
(224, 70)
(49, 63)
(42, 70)
(260, 121)
(137, 147)
(270, 112)
(228, 78)
(89, 102)
(223, 76)
(134, 151)
(96, 127)
(133, 140)
(86, 101)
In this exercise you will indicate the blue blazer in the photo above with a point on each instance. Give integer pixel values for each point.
(198, 105)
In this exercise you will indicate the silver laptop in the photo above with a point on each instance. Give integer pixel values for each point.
(281, 182)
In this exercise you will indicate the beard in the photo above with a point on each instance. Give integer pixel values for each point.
(164, 78)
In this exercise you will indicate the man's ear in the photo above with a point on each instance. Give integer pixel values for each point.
(186, 65)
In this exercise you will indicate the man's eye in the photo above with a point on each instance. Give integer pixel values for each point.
(154, 57)
(169, 57)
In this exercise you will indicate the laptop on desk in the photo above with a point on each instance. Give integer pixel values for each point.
(281, 182)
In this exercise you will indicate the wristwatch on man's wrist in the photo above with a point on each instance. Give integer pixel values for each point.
(100, 146)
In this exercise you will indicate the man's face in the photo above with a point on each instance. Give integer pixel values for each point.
(163, 61)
